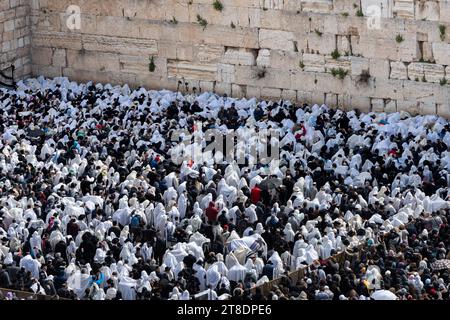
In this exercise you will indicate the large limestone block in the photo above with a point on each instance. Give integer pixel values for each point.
(427, 10)
(57, 40)
(114, 78)
(427, 107)
(389, 89)
(253, 91)
(324, 44)
(431, 72)
(317, 6)
(93, 61)
(441, 53)
(48, 71)
(341, 6)
(388, 48)
(128, 46)
(290, 95)
(390, 106)
(140, 65)
(443, 109)
(404, 9)
(151, 30)
(116, 26)
(239, 56)
(59, 58)
(313, 62)
(284, 59)
(377, 105)
(444, 9)
(278, 40)
(359, 65)
(223, 88)
(413, 90)
(45, 22)
(327, 83)
(331, 100)
(298, 23)
(272, 19)
(379, 68)
(42, 56)
(398, 70)
(263, 59)
(344, 44)
(270, 93)
(205, 53)
(225, 73)
(410, 106)
(188, 70)
(341, 62)
(206, 86)
(304, 81)
(361, 103)
(229, 14)
(238, 91)
(221, 35)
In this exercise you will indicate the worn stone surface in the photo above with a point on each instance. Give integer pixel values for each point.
(262, 48)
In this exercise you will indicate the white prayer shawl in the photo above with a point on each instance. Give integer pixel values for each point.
(277, 263)
(182, 205)
(31, 265)
(288, 233)
(127, 286)
(212, 277)
(200, 275)
(237, 273)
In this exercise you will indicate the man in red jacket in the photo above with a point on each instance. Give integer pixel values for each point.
(255, 194)
(211, 212)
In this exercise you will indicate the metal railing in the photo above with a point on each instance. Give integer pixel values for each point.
(25, 295)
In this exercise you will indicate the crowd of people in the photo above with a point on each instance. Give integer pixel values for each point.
(98, 201)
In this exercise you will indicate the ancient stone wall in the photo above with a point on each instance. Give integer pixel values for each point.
(15, 36)
(368, 54)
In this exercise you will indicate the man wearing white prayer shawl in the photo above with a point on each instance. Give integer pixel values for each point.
(31, 265)
(237, 273)
(212, 277)
(200, 274)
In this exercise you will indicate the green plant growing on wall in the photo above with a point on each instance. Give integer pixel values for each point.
(202, 21)
(442, 31)
(399, 38)
(340, 73)
(345, 14)
(318, 32)
(416, 79)
(301, 65)
(359, 13)
(232, 25)
(335, 54)
(218, 5)
(151, 65)
(424, 79)
(443, 81)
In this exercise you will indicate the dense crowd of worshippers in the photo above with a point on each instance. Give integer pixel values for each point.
(93, 205)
